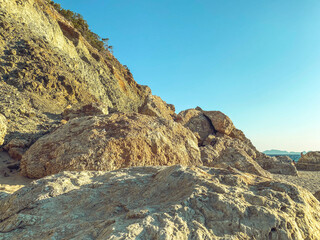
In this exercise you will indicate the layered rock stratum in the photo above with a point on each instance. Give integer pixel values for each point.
(159, 203)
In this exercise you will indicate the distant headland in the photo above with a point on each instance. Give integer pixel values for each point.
(281, 152)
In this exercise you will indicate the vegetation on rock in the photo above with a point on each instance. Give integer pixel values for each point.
(82, 26)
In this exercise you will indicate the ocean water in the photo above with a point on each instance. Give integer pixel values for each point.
(294, 157)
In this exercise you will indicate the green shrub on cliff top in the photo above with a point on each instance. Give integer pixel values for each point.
(81, 25)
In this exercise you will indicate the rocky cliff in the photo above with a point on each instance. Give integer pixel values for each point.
(46, 65)
(101, 145)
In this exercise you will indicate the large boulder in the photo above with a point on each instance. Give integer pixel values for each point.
(197, 122)
(221, 122)
(206, 122)
(3, 128)
(159, 203)
(309, 161)
(218, 137)
(110, 142)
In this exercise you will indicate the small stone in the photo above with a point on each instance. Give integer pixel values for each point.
(16, 153)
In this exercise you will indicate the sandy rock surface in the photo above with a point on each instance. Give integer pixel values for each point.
(150, 203)
(10, 178)
(310, 180)
(110, 142)
(3, 128)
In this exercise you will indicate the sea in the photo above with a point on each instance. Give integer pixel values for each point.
(294, 157)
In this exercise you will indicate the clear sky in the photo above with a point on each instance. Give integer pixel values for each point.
(258, 61)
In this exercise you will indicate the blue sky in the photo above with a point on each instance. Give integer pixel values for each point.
(256, 61)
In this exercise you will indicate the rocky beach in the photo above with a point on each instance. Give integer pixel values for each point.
(88, 153)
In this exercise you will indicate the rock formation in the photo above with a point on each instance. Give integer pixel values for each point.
(309, 161)
(3, 128)
(197, 122)
(232, 157)
(277, 165)
(317, 195)
(221, 122)
(110, 142)
(91, 109)
(64, 105)
(46, 65)
(218, 136)
(16, 148)
(159, 203)
(155, 106)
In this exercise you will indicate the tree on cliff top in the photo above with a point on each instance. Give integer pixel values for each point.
(82, 26)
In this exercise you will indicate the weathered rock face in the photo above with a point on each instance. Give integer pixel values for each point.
(111, 142)
(159, 203)
(309, 161)
(155, 106)
(219, 137)
(277, 165)
(3, 128)
(46, 65)
(16, 148)
(197, 122)
(91, 109)
(232, 157)
(317, 195)
(221, 122)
